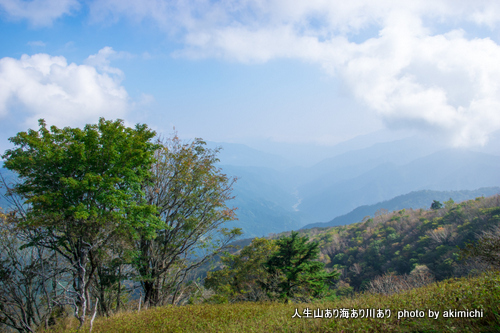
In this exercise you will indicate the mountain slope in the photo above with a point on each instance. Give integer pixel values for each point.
(414, 200)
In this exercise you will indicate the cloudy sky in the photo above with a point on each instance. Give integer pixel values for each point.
(312, 71)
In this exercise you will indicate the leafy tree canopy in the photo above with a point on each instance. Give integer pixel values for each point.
(91, 176)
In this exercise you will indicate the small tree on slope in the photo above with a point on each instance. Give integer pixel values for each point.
(294, 271)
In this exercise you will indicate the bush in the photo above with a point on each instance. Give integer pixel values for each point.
(390, 283)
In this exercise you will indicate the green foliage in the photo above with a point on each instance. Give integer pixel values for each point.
(84, 182)
(286, 268)
(449, 204)
(293, 269)
(436, 205)
(399, 241)
(238, 279)
(116, 206)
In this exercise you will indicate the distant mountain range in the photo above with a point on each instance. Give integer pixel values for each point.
(241, 155)
(451, 169)
(274, 194)
(413, 200)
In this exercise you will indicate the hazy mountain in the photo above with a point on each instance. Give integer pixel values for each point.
(309, 154)
(265, 192)
(355, 163)
(265, 201)
(451, 169)
(242, 155)
(268, 193)
(414, 200)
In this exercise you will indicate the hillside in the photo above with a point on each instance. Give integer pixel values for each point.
(413, 200)
(388, 245)
(400, 241)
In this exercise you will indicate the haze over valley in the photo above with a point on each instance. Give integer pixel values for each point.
(274, 194)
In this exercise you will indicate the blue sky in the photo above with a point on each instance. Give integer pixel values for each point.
(251, 71)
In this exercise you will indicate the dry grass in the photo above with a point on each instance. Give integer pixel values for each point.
(480, 292)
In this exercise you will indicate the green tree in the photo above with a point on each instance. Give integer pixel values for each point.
(238, 280)
(190, 193)
(294, 270)
(436, 205)
(449, 204)
(82, 188)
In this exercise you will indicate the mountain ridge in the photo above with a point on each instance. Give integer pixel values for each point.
(412, 200)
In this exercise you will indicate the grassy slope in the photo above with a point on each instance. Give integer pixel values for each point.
(481, 292)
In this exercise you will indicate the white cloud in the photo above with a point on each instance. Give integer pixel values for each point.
(412, 72)
(44, 86)
(445, 84)
(39, 12)
(101, 61)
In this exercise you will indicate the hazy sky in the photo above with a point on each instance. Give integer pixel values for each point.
(313, 71)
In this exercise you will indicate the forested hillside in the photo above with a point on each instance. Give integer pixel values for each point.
(419, 246)
(400, 241)
(375, 255)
